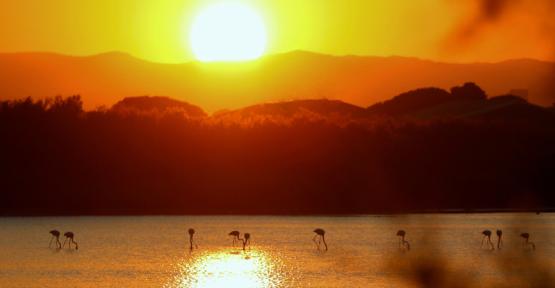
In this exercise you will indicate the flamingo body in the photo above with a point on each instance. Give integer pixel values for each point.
(404, 244)
(236, 236)
(55, 235)
(320, 233)
(527, 241)
(70, 239)
(487, 236)
(191, 234)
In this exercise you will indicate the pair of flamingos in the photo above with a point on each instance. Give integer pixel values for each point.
(69, 236)
(487, 236)
(237, 237)
(235, 234)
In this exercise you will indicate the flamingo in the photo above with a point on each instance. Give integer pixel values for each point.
(55, 235)
(191, 234)
(526, 237)
(235, 234)
(487, 234)
(246, 240)
(499, 241)
(321, 234)
(402, 242)
(69, 236)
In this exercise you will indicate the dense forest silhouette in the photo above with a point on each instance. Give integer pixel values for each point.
(424, 150)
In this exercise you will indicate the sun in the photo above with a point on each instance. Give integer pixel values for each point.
(228, 32)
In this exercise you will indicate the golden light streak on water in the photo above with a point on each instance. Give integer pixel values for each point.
(231, 268)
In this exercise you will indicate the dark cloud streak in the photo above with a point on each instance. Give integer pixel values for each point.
(488, 12)
(492, 10)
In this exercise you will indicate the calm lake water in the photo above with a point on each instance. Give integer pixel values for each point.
(363, 251)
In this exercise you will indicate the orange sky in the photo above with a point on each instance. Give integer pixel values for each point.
(157, 30)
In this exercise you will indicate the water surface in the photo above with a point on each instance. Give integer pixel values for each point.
(363, 251)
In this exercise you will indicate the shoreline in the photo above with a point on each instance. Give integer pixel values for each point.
(378, 214)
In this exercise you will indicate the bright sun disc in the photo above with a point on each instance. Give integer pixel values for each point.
(228, 32)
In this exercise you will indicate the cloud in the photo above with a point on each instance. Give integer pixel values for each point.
(493, 9)
(483, 13)
(490, 20)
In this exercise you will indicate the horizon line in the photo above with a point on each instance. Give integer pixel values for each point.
(265, 56)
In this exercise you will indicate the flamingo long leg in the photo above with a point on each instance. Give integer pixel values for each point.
(490, 243)
(315, 242)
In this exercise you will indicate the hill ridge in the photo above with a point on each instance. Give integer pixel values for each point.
(104, 79)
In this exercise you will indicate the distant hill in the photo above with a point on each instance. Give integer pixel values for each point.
(106, 78)
(424, 103)
(435, 103)
(412, 102)
(512, 107)
(157, 104)
(323, 108)
(467, 101)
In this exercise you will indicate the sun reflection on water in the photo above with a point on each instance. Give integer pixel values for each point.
(227, 268)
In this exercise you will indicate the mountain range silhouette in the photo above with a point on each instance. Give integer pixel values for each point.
(104, 79)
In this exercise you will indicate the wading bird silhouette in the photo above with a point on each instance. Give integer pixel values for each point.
(487, 236)
(527, 241)
(191, 234)
(235, 234)
(246, 240)
(499, 235)
(55, 235)
(320, 234)
(69, 236)
(403, 244)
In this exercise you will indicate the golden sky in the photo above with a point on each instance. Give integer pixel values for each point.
(157, 30)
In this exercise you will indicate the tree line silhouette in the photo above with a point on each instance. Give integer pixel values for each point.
(58, 159)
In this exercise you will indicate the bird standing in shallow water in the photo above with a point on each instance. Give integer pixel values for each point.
(235, 234)
(527, 241)
(69, 236)
(499, 241)
(191, 234)
(246, 240)
(55, 235)
(402, 242)
(487, 236)
(320, 233)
